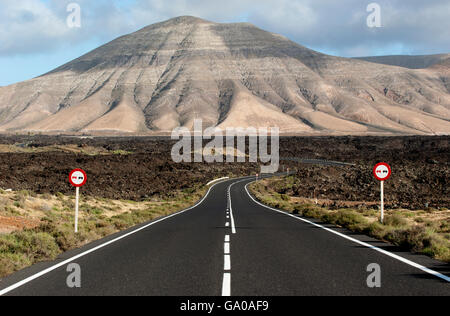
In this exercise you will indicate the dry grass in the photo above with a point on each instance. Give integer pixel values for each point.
(425, 231)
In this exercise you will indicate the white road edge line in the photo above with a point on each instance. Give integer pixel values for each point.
(408, 262)
(48, 270)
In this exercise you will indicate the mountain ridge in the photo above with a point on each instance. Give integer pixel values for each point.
(407, 61)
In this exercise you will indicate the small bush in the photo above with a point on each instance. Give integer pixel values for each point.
(36, 245)
(395, 220)
(18, 204)
(94, 211)
(11, 262)
(45, 207)
(349, 218)
(376, 230)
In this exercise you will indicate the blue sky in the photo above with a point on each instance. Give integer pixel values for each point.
(35, 38)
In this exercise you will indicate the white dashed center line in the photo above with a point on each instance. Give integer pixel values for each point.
(227, 264)
(227, 248)
(226, 287)
(230, 210)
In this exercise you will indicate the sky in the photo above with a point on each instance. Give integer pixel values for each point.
(35, 36)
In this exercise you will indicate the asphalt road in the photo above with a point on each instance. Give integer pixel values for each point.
(243, 250)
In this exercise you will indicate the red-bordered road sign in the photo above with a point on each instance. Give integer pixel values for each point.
(78, 178)
(382, 171)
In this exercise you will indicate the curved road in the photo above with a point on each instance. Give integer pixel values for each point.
(229, 244)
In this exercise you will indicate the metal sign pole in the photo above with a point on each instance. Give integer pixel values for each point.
(77, 198)
(382, 172)
(382, 201)
(78, 179)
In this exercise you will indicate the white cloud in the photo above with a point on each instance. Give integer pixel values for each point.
(26, 25)
(30, 26)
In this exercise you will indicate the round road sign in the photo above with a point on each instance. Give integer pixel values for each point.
(78, 178)
(382, 171)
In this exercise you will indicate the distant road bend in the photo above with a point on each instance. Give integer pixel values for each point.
(230, 244)
(318, 162)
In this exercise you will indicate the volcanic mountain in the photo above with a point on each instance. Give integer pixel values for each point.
(229, 75)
